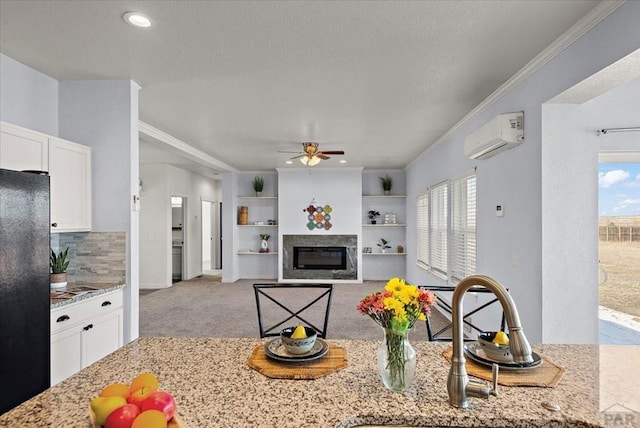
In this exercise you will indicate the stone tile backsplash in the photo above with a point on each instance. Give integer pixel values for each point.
(94, 256)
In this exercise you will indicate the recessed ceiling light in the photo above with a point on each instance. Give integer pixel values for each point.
(137, 19)
(343, 161)
(289, 162)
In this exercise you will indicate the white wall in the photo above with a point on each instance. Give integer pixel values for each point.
(341, 188)
(230, 189)
(28, 98)
(160, 183)
(155, 228)
(103, 114)
(510, 247)
(570, 233)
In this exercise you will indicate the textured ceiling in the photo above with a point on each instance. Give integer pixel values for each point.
(241, 80)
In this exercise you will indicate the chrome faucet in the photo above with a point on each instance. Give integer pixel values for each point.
(459, 386)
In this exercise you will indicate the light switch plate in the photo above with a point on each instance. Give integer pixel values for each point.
(500, 210)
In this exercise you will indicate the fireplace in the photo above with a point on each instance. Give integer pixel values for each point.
(320, 258)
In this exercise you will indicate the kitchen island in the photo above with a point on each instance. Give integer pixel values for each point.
(214, 387)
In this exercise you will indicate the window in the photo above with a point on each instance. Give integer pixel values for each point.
(446, 228)
(438, 233)
(463, 227)
(422, 229)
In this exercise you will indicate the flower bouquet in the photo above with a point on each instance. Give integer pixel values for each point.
(396, 309)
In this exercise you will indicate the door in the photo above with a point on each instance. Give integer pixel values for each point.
(210, 240)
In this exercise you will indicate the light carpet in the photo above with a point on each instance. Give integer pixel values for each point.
(207, 307)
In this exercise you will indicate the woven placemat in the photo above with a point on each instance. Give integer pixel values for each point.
(548, 375)
(335, 360)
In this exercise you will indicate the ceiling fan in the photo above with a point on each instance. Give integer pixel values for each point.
(311, 156)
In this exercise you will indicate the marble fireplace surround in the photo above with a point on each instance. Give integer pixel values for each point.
(348, 241)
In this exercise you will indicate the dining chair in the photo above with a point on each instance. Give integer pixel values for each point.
(443, 334)
(285, 305)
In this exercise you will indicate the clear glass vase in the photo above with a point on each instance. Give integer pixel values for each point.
(396, 360)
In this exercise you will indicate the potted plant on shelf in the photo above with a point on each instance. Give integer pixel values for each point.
(264, 244)
(58, 264)
(383, 245)
(372, 216)
(387, 182)
(258, 185)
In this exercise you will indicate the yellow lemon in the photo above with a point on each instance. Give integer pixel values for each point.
(501, 338)
(299, 333)
(103, 406)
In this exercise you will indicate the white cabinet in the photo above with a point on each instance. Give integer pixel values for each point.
(84, 332)
(70, 171)
(22, 149)
(69, 166)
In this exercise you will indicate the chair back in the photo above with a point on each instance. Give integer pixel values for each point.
(443, 334)
(286, 305)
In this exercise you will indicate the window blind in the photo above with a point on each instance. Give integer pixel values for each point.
(422, 229)
(438, 236)
(463, 228)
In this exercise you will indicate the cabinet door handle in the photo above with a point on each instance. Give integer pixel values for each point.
(106, 303)
(54, 224)
(89, 327)
(62, 318)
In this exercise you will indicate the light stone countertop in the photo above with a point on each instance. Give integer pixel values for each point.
(214, 387)
(66, 296)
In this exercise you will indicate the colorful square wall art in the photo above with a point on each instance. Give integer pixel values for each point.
(318, 217)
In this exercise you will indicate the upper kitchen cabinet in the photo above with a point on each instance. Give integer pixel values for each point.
(22, 149)
(69, 166)
(70, 171)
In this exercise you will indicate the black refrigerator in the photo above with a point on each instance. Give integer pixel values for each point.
(24, 286)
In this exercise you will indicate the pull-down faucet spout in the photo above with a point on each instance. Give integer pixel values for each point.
(459, 386)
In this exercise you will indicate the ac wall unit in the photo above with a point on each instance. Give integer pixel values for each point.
(503, 132)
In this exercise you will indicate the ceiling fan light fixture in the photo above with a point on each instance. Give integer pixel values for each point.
(310, 160)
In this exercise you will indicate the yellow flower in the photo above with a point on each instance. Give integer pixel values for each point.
(396, 306)
(394, 285)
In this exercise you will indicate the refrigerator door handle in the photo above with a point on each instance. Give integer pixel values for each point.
(62, 318)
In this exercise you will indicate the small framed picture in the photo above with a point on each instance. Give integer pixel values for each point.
(366, 250)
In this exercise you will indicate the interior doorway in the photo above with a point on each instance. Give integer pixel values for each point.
(211, 260)
(178, 238)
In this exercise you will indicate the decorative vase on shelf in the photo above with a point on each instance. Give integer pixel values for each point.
(396, 360)
(264, 244)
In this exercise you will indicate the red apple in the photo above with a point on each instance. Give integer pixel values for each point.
(138, 396)
(122, 417)
(160, 400)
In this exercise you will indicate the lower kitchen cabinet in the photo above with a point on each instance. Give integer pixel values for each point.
(84, 332)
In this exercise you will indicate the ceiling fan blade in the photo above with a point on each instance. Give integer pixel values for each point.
(331, 152)
(288, 151)
(322, 156)
(298, 157)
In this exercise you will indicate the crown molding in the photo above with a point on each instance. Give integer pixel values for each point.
(183, 148)
(590, 20)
